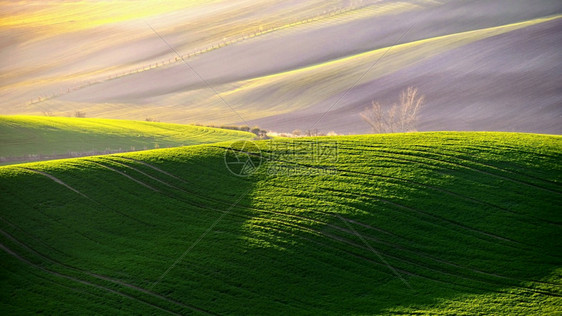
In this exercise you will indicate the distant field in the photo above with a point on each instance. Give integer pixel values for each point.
(424, 223)
(483, 65)
(28, 137)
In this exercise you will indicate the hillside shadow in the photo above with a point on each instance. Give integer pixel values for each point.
(292, 235)
(305, 245)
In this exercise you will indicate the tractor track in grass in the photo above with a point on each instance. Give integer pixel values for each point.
(57, 221)
(442, 261)
(31, 249)
(284, 222)
(410, 152)
(143, 173)
(152, 167)
(410, 263)
(98, 276)
(59, 284)
(64, 276)
(159, 192)
(85, 196)
(504, 147)
(480, 163)
(41, 241)
(112, 280)
(434, 216)
(384, 269)
(57, 181)
(123, 174)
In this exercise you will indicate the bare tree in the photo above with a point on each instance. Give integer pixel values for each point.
(399, 117)
(410, 105)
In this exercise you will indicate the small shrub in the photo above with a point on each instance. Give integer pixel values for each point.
(79, 114)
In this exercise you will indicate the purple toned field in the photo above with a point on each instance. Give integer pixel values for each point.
(296, 65)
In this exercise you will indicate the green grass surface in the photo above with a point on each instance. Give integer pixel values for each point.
(28, 137)
(428, 223)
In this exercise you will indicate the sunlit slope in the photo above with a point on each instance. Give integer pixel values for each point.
(437, 223)
(23, 137)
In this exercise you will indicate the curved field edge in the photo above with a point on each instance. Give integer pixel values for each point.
(41, 138)
(425, 223)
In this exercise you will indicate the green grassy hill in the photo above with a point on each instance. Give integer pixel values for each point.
(25, 138)
(428, 223)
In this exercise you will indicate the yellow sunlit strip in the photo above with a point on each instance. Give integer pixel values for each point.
(351, 61)
(499, 29)
(62, 16)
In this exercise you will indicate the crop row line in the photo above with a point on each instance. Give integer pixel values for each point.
(64, 276)
(408, 153)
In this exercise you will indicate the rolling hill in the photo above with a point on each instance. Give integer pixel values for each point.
(283, 65)
(422, 223)
(31, 138)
